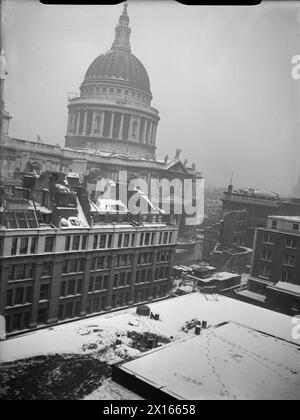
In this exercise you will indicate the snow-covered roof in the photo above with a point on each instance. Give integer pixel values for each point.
(286, 287)
(107, 205)
(295, 219)
(227, 362)
(173, 315)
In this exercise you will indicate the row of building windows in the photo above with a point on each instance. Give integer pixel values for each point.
(145, 258)
(96, 91)
(120, 299)
(102, 241)
(101, 263)
(289, 260)
(289, 242)
(296, 226)
(122, 279)
(163, 256)
(18, 321)
(69, 310)
(23, 295)
(21, 271)
(28, 245)
(76, 242)
(162, 272)
(96, 304)
(143, 276)
(125, 260)
(19, 296)
(97, 283)
(71, 287)
(27, 271)
(286, 276)
(74, 266)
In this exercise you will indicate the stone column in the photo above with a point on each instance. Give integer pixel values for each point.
(78, 122)
(151, 131)
(138, 129)
(102, 123)
(93, 122)
(111, 125)
(144, 131)
(121, 127)
(84, 123)
(130, 128)
(73, 128)
(36, 294)
(86, 277)
(154, 133)
(69, 122)
(148, 131)
(55, 290)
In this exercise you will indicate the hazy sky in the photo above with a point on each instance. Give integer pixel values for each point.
(220, 78)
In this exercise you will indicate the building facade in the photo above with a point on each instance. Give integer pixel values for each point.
(63, 258)
(259, 206)
(275, 273)
(224, 243)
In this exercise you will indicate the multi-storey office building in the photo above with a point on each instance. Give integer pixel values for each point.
(259, 206)
(275, 271)
(57, 264)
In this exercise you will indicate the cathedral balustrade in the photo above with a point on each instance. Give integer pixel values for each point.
(129, 103)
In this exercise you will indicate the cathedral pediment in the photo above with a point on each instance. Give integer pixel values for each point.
(177, 166)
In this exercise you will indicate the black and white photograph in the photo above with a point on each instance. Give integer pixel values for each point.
(149, 203)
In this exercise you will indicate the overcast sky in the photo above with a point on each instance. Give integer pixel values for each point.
(220, 78)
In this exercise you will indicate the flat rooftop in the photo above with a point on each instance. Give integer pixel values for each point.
(101, 331)
(293, 289)
(251, 295)
(227, 362)
(173, 315)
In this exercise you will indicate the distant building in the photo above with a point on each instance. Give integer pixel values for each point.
(275, 271)
(259, 205)
(297, 188)
(224, 243)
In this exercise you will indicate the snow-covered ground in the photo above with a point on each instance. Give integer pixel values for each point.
(229, 362)
(102, 331)
(110, 390)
